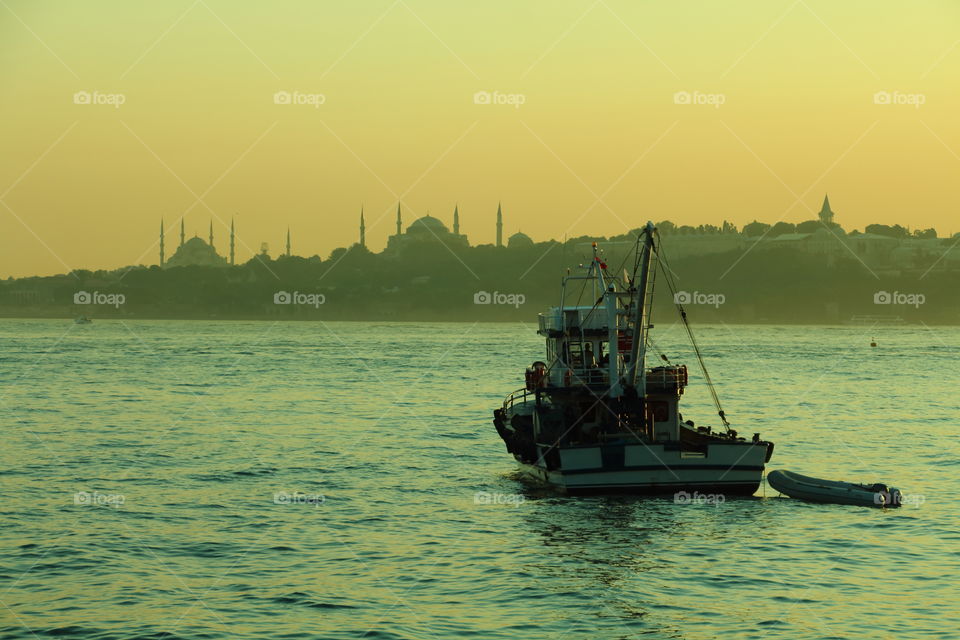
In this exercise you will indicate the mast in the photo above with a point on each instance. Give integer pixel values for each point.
(610, 304)
(641, 319)
(613, 351)
(596, 265)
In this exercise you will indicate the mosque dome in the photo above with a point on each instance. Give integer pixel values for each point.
(195, 252)
(428, 225)
(519, 239)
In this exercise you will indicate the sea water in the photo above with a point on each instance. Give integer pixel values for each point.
(166, 479)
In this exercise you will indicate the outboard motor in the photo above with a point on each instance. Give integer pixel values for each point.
(887, 496)
(895, 497)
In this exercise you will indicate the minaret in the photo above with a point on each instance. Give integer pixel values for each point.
(456, 220)
(288, 242)
(161, 242)
(398, 219)
(363, 230)
(231, 241)
(182, 233)
(499, 226)
(211, 233)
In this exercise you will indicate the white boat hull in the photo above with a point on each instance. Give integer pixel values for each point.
(735, 468)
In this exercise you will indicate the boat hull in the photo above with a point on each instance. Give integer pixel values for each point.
(655, 469)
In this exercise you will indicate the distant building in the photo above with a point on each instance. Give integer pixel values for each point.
(872, 247)
(826, 214)
(427, 230)
(820, 242)
(700, 244)
(874, 250)
(363, 230)
(195, 252)
(519, 240)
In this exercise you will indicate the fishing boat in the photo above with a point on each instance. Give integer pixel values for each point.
(594, 418)
(812, 489)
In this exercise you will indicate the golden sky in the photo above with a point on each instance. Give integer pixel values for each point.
(585, 134)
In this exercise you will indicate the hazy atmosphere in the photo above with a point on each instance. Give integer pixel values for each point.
(433, 320)
(592, 117)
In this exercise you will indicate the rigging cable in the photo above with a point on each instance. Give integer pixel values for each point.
(667, 273)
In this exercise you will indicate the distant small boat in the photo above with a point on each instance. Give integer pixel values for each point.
(82, 320)
(811, 489)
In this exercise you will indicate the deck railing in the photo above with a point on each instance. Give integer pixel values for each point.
(520, 395)
(589, 376)
(675, 376)
(667, 376)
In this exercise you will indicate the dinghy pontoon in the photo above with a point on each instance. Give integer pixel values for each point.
(811, 489)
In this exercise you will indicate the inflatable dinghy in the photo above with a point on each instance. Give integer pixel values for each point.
(833, 491)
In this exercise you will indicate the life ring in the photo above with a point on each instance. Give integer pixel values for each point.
(535, 375)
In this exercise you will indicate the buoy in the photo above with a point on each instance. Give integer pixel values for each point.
(873, 342)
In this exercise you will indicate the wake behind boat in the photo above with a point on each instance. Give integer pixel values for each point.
(593, 418)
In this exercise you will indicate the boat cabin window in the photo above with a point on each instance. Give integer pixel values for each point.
(586, 354)
(575, 354)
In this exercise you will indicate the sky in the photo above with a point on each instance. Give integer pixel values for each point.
(582, 117)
